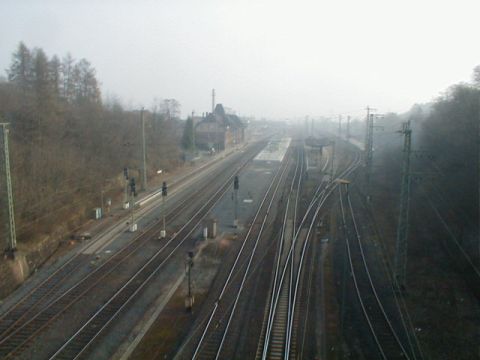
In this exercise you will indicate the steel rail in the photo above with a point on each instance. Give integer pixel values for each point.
(40, 321)
(130, 285)
(367, 271)
(347, 172)
(354, 277)
(276, 295)
(371, 286)
(400, 304)
(38, 296)
(232, 312)
(278, 176)
(281, 249)
(320, 196)
(292, 262)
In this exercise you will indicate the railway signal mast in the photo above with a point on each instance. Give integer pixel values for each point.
(12, 239)
(163, 232)
(125, 198)
(133, 225)
(400, 264)
(235, 201)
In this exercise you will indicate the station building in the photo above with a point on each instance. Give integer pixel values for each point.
(219, 130)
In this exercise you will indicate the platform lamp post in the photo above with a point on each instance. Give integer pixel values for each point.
(163, 232)
(188, 269)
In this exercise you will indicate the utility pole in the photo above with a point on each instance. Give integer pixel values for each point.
(332, 168)
(144, 153)
(12, 240)
(193, 133)
(339, 126)
(367, 126)
(368, 155)
(235, 201)
(368, 150)
(403, 224)
(348, 128)
(163, 232)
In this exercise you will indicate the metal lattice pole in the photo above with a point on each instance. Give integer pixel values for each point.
(403, 224)
(348, 128)
(367, 125)
(368, 154)
(12, 240)
(144, 154)
(332, 166)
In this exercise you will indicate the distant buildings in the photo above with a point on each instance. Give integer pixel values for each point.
(219, 130)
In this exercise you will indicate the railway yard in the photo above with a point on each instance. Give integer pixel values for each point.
(240, 180)
(291, 271)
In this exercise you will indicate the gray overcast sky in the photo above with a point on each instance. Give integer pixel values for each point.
(266, 57)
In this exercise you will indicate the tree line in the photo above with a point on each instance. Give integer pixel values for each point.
(445, 162)
(68, 145)
(451, 137)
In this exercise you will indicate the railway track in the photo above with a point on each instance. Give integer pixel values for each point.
(388, 341)
(276, 330)
(280, 339)
(22, 335)
(213, 342)
(42, 294)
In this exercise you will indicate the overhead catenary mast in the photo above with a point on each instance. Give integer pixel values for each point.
(400, 265)
(368, 151)
(12, 239)
(339, 125)
(348, 128)
(144, 153)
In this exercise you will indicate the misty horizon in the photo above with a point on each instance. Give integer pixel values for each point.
(267, 59)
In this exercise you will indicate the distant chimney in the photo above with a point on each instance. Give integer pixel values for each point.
(213, 100)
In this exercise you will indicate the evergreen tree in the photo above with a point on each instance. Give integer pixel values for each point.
(21, 68)
(188, 140)
(41, 79)
(54, 70)
(68, 86)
